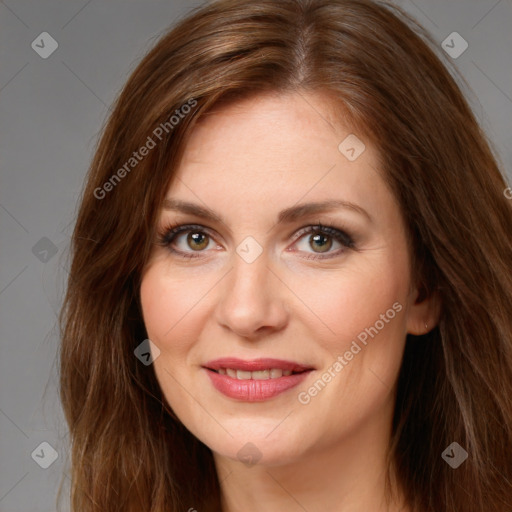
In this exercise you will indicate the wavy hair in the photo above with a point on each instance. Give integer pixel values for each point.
(129, 451)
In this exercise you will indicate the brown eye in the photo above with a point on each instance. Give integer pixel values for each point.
(197, 240)
(320, 242)
(186, 240)
(323, 242)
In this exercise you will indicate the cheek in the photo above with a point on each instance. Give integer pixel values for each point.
(167, 311)
(346, 302)
(365, 313)
(364, 308)
(167, 306)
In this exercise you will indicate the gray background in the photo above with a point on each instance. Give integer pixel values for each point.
(52, 111)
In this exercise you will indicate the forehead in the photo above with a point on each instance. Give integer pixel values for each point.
(282, 123)
(272, 139)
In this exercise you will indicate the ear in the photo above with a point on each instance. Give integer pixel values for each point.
(424, 310)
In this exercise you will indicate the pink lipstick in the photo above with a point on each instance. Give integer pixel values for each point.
(255, 380)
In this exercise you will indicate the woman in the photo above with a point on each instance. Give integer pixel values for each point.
(290, 281)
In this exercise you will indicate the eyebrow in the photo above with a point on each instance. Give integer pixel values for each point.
(287, 215)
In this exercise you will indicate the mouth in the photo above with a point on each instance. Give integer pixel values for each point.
(256, 380)
(269, 373)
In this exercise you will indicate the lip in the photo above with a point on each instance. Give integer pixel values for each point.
(252, 390)
(255, 364)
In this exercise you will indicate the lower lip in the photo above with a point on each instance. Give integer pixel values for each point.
(252, 390)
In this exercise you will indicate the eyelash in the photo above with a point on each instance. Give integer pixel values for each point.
(166, 237)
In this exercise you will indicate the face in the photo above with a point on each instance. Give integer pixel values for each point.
(281, 304)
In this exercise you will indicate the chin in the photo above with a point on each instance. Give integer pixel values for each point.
(257, 443)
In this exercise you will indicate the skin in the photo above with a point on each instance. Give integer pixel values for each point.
(247, 162)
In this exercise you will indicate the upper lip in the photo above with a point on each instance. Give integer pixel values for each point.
(255, 365)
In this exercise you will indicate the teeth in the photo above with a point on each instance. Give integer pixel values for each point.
(271, 373)
(261, 375)
(243, 375)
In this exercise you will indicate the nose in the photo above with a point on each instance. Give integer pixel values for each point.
(252, 301)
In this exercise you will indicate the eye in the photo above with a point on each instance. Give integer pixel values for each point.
(321, 239)
(185, 240)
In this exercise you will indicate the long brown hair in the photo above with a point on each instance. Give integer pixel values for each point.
(129, 451)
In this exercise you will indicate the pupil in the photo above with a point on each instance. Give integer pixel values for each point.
(322, 246)
(199, 240)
